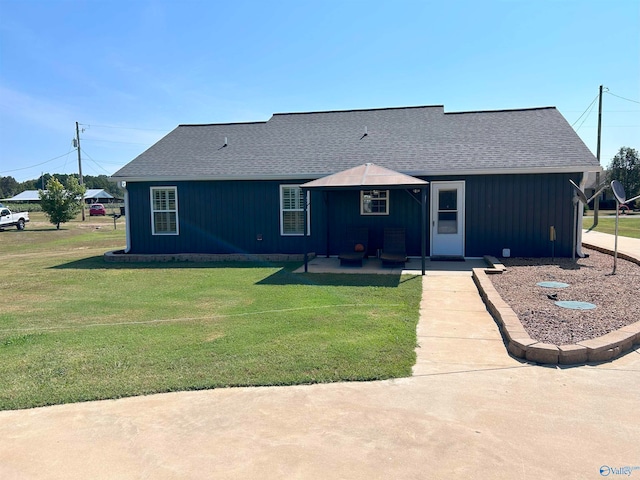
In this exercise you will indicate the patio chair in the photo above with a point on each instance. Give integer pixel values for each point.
(394, 250)
(355, 247)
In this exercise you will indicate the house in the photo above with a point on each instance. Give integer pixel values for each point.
(606, 199)
(92, 195)
(488, 183)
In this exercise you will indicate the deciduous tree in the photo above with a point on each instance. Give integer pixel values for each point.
(625, 167)
(61, 203)
(8, 187)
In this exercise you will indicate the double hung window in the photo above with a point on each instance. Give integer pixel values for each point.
(164, 211)
(292, 210)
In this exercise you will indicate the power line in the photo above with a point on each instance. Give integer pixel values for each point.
(38, 164)
(66, 160)
(593, 104)
(588, 108)
(114, 163)
(623, 98)
(90, 158)
(607, 110)
(612, 126)
(126, 128)
(112, 141)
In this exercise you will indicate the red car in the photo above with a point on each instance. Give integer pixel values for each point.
(97, 209)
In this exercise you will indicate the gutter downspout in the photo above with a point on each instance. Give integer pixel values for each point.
(578, 226)
(126, 220)
(423, 233)
(304, 231)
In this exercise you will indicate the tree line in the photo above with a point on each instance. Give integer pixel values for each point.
(625, 167)
(9, 186)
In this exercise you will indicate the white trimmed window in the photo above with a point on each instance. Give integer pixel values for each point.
(164, 211)
(374, 202)
(292, 210)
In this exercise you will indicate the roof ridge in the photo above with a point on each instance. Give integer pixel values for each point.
(359, 110)
(501, 110)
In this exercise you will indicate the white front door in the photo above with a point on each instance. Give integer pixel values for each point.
(447, 219)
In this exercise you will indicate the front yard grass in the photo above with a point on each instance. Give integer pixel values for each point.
(628, 226)
(74, 328)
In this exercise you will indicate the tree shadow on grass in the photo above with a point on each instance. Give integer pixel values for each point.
(37, 229)
(97, 262)
(283, 276)
(287, 277)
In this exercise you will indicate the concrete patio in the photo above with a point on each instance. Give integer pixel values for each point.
(374, 266)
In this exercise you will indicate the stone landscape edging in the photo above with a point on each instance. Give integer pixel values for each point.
(610, 252)
(521, 345)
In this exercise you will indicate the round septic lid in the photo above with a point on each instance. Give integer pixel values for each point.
(575, 305)
(552, 284)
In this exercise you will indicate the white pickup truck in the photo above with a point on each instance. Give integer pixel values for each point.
(8, 219)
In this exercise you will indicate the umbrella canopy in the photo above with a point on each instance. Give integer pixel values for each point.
(371, 176)
(368, 176)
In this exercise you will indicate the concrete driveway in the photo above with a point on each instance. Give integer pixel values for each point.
(470, 411)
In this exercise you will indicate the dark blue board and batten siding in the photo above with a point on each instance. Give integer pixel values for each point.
(344, 212)
(221, 217)
(516, 212)
(502, 211)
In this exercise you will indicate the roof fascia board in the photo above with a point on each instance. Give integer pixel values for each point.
(508, 171)
(211, 178)
(313, 176)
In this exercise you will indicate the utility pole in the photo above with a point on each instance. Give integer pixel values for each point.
(596, 202)
(81, 181)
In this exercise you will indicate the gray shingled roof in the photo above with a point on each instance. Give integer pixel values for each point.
(411, 140)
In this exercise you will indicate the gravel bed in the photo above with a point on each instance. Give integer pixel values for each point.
(617, 297)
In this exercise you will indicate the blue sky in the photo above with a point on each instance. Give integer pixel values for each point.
(131, 71)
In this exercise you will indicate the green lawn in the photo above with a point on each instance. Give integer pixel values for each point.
(74, 328)
(627, 226)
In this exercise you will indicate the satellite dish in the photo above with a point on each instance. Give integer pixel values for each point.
(581, 196)
(618, 191)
